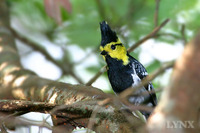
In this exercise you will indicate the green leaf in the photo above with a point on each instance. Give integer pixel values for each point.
(153, 66)
(32, 15)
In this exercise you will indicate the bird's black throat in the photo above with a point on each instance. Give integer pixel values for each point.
(119, 74)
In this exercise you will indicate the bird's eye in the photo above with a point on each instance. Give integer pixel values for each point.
(113, 47)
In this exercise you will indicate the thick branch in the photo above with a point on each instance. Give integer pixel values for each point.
(21, 105)
(180, 101)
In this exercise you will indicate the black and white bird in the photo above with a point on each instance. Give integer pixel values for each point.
(124, 71)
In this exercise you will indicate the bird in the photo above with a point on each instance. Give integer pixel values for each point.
(123, 70)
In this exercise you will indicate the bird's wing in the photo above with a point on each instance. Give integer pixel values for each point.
(142, 73)
(140, 70)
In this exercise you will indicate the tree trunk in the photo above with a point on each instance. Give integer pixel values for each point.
(179, 108)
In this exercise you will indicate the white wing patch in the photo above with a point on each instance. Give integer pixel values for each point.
(149, 87)
(144, 73)
(136, 79)
(137, 99)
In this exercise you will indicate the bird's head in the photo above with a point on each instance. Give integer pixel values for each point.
(111, 44)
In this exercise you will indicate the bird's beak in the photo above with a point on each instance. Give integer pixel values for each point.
(104, 52)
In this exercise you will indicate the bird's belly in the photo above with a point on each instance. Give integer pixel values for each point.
(120, 81)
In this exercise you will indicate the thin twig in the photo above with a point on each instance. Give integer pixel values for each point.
(168, 34)
(27, 122)
(101, 9)
(183, 34)
(11, 115)
(21, 121)
(152, 34)
(156, 13)
(95, 111)
(152, 91)
(130, 13)
(133, 107)
(85, 57)
(92, 118)
(93, 79)
(3, 128)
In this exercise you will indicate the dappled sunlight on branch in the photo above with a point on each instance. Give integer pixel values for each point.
(19, 93)
(53, 98)
(19, 81)
(8, 79)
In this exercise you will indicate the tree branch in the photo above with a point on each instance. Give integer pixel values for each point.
(21, 105)
(11, 121)
(67, 68)
(150, 35)
(156, 12)
(100, 9)
(180, 101)
(96, 76)
(183, 33)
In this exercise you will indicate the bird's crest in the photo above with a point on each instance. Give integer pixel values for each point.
(107, 35)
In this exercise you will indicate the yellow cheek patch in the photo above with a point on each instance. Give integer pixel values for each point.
(101, 48)
(119, 53)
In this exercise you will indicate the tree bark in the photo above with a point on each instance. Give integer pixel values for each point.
(179, 108)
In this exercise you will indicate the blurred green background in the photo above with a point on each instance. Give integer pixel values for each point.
(69, 32)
